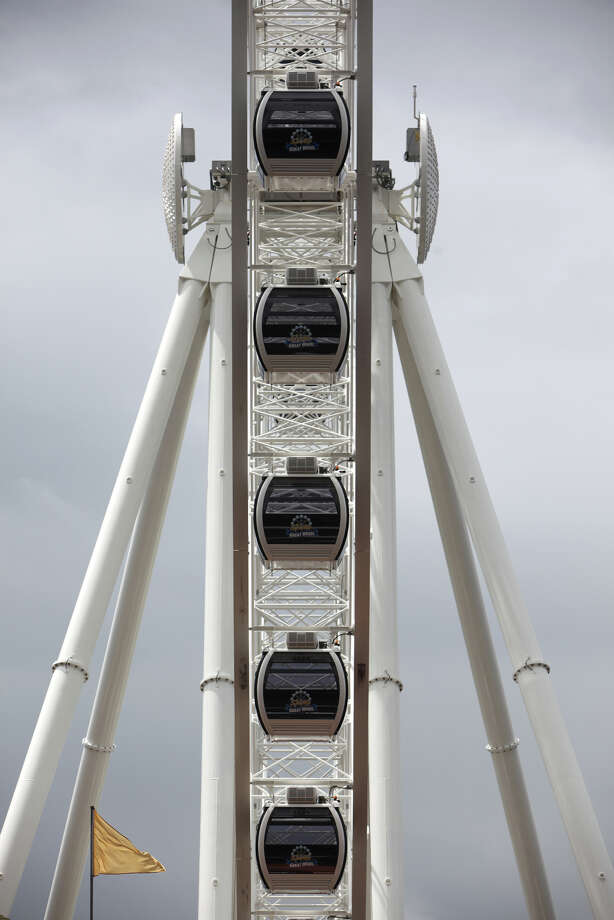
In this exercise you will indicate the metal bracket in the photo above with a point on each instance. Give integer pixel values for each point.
(382, 174)
(99, 748)
(386, 678)
(198, 206)
(71, 663)
(216, 679)
(503, 748)
(528, 666)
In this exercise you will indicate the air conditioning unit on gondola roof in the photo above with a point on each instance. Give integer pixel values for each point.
(301, 276)
(302, 795)
(302, 466)
(302, 79)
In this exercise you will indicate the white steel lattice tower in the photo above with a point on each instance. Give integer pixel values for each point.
(306, 223)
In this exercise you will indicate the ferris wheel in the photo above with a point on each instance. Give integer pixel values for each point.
(304, 284)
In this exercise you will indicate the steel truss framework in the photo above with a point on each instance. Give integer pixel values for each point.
(301, 420)
(271, 422)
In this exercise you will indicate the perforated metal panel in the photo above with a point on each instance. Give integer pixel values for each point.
(172, 183)
(302, 640)
(302, 795)
(301, 276)
(305, 466)
(302, 79)
(429, 188)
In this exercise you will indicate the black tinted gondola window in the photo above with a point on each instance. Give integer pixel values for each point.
(301, 321)
(282, 833)
(301, 686)
(301, 510)
(301, 125)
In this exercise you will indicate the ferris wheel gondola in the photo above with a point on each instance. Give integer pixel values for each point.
(301, 693)
(301, 329)
(301, 848)
(301, 520)
(304, 132)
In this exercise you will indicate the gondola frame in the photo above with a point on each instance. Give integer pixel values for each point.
(279, 166)
(280, 552)
(280, 728)
(293, 884)
(301, 363)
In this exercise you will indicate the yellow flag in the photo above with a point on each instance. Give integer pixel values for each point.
(114, 854)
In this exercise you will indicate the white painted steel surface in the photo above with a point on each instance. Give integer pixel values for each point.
(60, 701)
(502, 742)
(98, 743)
(386, 839)
(530, 669)
(216, 865)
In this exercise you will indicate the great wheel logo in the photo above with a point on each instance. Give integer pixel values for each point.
(300, 701)
(301, 858)
(301, 140)
(301, 527)
(300, 337)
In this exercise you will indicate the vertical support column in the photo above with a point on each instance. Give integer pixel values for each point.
(531, 672)
(216, 869)
(502, 744)
(240, 13)
(70, 670)
(384, 685)
(362, 492)
(98, 744)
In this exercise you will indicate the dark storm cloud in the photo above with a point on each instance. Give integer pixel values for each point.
(519, 278)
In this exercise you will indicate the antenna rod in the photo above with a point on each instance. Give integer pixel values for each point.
(414, 97)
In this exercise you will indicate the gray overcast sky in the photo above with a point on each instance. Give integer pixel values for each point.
(519, 278)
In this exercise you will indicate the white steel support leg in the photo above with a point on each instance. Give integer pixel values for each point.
(98, 744)
(386, 843)
(216, 872)
(502, 744)
(70, 670)
(530, 670)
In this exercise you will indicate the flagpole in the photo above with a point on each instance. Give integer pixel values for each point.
(91, 862)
